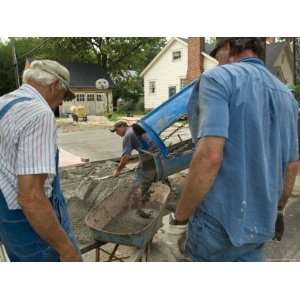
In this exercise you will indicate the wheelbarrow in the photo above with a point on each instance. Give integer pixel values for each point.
(126, 217)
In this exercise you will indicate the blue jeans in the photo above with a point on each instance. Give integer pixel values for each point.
(208, 241)
(21, 242)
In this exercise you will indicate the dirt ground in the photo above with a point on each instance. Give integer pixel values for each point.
(77, 185)
(83, 190)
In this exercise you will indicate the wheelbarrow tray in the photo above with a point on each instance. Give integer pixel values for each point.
(126, 200)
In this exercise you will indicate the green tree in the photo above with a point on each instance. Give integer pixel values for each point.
(7, 80)
(122, 58)
(115, 55)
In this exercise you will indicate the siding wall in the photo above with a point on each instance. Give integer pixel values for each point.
(165, 73)
(92, 107)
(286, 68)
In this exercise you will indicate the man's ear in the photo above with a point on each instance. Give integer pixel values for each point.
(56, 84)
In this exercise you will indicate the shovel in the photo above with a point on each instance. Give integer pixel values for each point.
(110, 176)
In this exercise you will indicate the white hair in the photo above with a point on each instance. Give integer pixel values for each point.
(45, 72)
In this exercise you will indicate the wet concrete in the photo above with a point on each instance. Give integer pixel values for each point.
(82, 191)
(83, 188)
(131, 221)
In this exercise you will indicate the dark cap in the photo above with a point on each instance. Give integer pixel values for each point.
(118, 124)
(239, 43)
(221, 42)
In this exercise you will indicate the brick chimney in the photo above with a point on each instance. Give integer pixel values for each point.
(195, 59)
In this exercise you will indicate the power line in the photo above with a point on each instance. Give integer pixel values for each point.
(36, 48)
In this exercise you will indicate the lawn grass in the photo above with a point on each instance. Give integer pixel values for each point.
(115, 116)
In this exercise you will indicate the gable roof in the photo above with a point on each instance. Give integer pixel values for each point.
(184, 41)
(85, 74)
(162, 51)
(273, 50)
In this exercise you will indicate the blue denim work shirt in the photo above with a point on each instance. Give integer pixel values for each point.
(257, 115)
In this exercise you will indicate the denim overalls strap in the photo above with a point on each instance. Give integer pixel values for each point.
(22, 243)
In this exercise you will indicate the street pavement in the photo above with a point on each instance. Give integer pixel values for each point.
(288, 249)
(95, 144)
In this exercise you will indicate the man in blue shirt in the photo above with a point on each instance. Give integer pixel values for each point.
(135, 138)
(245, 163)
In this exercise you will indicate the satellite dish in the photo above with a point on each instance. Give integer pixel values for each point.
(102, 84)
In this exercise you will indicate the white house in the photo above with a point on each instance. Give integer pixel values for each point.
(183, 60)
(166, 74)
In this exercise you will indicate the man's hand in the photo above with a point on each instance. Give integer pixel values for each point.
(124, 160)
(289, 182)
(69, 255)
(176, 232)
(279, 226)
(40, 214)
(116, 173)
(174, 221)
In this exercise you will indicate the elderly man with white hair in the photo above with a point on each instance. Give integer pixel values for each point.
(34, 222)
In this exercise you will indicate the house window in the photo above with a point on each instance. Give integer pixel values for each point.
(99, 97)
(90, 97)
(152, 87)
(176, 55)
(80, 97)
(172, 91)
(182, 83)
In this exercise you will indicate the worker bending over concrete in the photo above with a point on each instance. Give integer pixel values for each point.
(135, 138)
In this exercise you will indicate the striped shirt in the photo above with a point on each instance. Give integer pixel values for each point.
(28, 142)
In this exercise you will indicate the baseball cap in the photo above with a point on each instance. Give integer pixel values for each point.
(117, 125)
(220, 43)
(237, 41)
(57, 70)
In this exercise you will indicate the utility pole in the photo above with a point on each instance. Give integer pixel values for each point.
(295, 59)
(15, 62)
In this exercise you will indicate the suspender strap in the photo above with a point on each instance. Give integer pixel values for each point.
(9, 105)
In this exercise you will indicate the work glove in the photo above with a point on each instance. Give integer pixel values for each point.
(279, 226)
(178, 231)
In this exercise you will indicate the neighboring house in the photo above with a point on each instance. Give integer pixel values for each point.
(279, 60)
(83, 84)
(183, 60)
(166, 74)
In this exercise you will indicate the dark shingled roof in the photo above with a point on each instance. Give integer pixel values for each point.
(85, 74)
